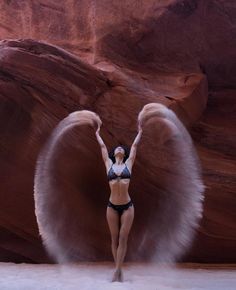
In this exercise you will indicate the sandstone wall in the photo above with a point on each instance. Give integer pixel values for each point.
(180, 53)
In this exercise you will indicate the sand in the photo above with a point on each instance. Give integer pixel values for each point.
(137, 276)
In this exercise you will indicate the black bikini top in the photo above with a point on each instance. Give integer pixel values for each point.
(124, 174)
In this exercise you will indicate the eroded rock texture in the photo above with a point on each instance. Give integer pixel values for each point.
(129, 55)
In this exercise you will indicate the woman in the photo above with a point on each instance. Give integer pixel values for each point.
(120, 209)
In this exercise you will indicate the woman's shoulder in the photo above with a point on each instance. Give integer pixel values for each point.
(129, 166)
(108, 164)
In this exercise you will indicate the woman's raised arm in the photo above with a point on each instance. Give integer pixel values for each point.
(133, 149)
(105, 154)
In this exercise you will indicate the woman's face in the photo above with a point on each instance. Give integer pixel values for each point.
(119, 150)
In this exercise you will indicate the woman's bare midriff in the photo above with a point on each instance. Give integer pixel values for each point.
(119, 191)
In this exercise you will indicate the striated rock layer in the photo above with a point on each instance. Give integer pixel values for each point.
(136, 53)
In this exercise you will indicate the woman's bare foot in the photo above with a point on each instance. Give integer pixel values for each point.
(117, 276)
(121, 278)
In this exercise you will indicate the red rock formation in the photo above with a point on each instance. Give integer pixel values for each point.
(41, 85)
(215, 138)
(170, 35)
(138, 53)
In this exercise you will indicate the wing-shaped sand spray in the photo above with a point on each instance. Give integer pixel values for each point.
(52, 213)
(178, 173)
(175, 168)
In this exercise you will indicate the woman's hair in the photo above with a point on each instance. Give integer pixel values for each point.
(126, 156)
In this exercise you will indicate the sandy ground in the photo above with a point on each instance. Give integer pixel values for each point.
(97, 276)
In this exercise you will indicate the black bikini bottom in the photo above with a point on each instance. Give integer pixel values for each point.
(120, 207)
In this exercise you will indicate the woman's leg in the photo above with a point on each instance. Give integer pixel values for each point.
(113, 223)
(126, 223)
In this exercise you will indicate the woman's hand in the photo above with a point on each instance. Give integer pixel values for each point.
(99, 121)
(140, 129)
(98, 124)
(98, 130)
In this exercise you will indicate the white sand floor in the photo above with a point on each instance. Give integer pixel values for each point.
(97, 276)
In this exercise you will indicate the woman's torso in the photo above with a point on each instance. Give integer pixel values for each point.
(119, 186)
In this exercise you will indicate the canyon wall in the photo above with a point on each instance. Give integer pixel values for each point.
(113, 58)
